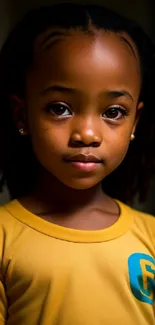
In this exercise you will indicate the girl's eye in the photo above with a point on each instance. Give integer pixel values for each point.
(58, 109)
(115, 113)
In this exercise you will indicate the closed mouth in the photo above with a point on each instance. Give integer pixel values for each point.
(84, 159)
(85, 162)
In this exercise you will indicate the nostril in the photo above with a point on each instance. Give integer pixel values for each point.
(95, 144)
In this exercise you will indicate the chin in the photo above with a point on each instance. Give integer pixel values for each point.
(84, 184)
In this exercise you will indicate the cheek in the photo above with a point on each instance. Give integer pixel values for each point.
(118, 149)
(44, 132)
(48, 141)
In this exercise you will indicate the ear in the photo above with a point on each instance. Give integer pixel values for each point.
(138, 113)
(19, 114)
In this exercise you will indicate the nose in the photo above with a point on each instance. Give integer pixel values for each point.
(87, 133)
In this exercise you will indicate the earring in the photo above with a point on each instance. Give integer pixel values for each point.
(21, 131)
(132, 136)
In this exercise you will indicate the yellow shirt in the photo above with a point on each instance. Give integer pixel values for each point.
(52, 275)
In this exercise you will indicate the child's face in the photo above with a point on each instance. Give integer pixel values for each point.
(88, 76)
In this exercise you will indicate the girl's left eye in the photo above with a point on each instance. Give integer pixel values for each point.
(58, 109)
(115, 113)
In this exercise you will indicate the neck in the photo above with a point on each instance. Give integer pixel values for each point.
(62, 205)
(51, 192)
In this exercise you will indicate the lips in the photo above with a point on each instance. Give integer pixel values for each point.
(84, 158)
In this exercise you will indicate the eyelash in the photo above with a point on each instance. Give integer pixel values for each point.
(118, 108)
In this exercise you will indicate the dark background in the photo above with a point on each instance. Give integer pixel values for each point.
(142, 11)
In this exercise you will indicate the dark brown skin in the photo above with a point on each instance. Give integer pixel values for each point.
(92, 66)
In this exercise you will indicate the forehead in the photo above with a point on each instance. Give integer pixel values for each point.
(106, 56)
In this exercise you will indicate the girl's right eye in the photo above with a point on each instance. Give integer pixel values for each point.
(58, 109)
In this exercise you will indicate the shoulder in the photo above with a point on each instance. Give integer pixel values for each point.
(142, 222)
(146, 217)
(143, 216)
(10, 228)
(6, 218)
(9, 225)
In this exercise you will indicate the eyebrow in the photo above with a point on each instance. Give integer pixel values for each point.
(128, 43)
(109, 93)
(119, 93)
(52, 35)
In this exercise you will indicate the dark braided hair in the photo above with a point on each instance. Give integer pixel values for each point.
(18, 164)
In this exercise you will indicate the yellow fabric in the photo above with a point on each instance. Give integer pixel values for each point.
(51, 275)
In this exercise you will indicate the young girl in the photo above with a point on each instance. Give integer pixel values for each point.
(76, 87)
